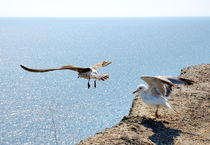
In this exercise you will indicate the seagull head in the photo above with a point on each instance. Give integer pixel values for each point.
(139, 89)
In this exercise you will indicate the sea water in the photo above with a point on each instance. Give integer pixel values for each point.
(57, 107)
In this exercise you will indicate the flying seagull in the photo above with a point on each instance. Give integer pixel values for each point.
(159, 89)
(86, 72)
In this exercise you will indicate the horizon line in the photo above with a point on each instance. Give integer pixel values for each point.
(100, 17)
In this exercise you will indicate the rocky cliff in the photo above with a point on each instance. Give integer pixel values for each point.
(191, 125)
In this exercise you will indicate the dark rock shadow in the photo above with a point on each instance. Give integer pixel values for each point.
(162, 135)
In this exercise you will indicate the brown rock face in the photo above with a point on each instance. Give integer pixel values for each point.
(191, 126)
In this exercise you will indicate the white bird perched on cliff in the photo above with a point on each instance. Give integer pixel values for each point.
(158, 90)
(86, 73)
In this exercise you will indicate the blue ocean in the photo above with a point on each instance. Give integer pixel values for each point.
(57, 107)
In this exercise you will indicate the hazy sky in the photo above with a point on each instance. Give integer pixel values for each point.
(103, 8)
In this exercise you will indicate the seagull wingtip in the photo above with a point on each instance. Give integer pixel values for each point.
(108, 62)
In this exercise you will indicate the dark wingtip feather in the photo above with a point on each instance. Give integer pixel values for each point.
(23, 67)
(105, 63)
(187, 81)
(30, 70)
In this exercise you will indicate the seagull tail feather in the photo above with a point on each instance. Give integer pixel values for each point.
(104, 77)
(169, 106)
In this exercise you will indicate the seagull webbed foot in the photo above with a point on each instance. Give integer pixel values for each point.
(157, 116)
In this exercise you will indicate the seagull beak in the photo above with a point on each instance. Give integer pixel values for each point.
(134, 92)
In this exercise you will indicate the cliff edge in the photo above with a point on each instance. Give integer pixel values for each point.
(190, 126)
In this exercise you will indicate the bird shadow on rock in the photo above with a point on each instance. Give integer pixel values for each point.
(162, 134)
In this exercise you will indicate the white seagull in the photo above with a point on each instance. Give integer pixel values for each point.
(86, 72)
(159, 90)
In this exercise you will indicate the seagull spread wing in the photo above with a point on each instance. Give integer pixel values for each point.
(177, 80)
(158, 86)
(70, 67)
(101, 64)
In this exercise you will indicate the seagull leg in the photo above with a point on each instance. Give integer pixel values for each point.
(95, 83)
(156, 112)
(88, 83)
